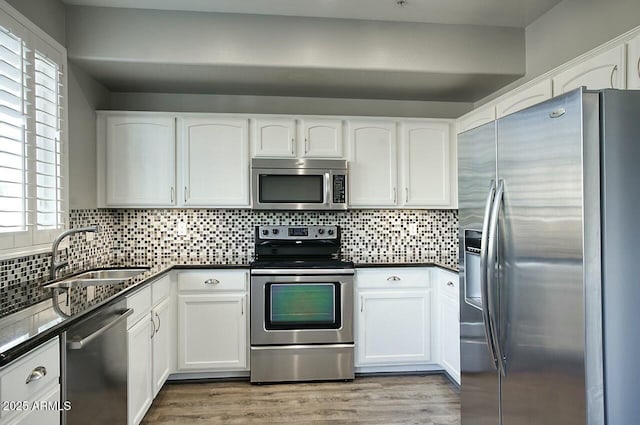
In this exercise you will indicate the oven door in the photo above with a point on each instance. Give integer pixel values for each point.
(297, 189)
(296, 309)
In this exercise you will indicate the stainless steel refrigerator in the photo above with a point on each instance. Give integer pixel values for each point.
(549, 201)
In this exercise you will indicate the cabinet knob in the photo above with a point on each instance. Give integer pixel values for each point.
(450, 284)
(211, 282)
(36, 374)
(393, 278)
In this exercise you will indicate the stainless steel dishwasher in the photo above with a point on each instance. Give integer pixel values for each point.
(95, 368)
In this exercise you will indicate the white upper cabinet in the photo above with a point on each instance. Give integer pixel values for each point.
(274, 137)
(476, 118)
(521, 99)
(321, 138)
(633, 61)
(425, 164)
(604, 71)
(140, 160)
(215, 162)
(372, 164)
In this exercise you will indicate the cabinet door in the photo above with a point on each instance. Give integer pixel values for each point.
(321, 139)
(212, 332)
(139, 391)
(450, 331)
(372, 164)
(215, 161)
(161, 345)
(393, 328)
(44, 416)
(607, 70)
(521, 99)
(140, 161)
(633, 60)
(476, 118)
(274, 137)
(425, 165)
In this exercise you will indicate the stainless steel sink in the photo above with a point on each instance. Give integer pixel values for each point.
(98, 277)
(110, 274)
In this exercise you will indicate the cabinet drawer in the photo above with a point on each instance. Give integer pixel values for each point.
(450, 286)
(42, 365)
(140, 302)
(160, 289)
(213, 280)
(414, 277)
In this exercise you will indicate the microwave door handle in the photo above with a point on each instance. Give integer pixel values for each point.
(327, 188)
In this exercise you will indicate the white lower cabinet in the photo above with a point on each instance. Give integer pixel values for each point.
(161, 364)
(42, 416)
(212, 332)
(449, 296)
(407, 319)
(394, 327)
(213, 320)
(149, 348)
(31, 381)
(393, 319)
(139, 385)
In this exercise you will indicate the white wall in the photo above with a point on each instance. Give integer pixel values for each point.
(284, 105)
(571, 28)
(85, 96)
(49, 15)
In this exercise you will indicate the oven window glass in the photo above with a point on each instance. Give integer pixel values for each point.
(303, 306)
(285, 188)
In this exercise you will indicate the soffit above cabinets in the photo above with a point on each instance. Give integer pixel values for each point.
(134, 50)
(509, 13)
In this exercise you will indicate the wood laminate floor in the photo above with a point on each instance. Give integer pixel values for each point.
(428, 400)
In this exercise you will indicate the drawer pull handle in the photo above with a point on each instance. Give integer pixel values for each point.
(450, 284)
(211, 282)
(36, 374)
(393, 278)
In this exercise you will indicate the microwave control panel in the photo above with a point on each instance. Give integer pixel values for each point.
(339, 189)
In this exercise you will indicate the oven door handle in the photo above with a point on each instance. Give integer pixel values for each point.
(287, 273)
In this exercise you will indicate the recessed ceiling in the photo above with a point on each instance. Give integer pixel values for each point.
(508, 13)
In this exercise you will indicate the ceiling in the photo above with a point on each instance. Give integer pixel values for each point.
(508, 13)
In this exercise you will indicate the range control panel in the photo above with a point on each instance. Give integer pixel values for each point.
(297, 232)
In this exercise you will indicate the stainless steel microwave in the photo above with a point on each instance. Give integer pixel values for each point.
(299, 184)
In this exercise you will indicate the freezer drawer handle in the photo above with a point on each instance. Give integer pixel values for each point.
(78, 343)
(211, 282)
(450, 284)
(36, 374)
(393, 278)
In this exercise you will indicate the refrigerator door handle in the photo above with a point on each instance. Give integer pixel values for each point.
(492, 243)
(483, 271)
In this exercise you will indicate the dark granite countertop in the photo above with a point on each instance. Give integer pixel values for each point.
(23, 331)
(373, 265)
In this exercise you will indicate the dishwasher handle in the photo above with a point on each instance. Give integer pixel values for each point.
(78, 343)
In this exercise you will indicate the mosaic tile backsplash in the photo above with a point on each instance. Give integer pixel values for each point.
(150, 236)
(21, 278)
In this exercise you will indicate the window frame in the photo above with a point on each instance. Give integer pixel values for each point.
(33, 241)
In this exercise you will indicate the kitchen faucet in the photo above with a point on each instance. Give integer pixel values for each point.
(55, 266)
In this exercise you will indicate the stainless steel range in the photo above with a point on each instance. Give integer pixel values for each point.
(301, 306)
